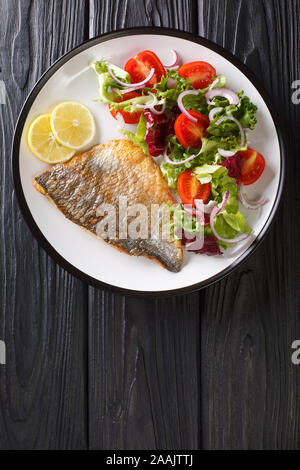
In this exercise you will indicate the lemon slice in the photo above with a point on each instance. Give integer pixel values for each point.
(43, 144)
(73, 124)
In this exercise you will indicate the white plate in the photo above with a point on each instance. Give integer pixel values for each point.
(89, 258)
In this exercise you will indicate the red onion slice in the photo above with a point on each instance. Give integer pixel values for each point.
(128, 91)
(213, 112)
(209, 207)
(145, 106)
(175, 60)
(171, 83)
(181, 106)
(239, 239)
(252, 206)
(130, 85)
(226, 153)
(230, 118)
(225, 92)
(194, 246)
(224, 202)
(166, 158)
(158, 112)
(212, 86)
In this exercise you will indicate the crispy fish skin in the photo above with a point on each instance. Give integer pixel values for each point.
(103, 174)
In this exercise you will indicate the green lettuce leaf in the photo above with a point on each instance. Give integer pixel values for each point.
(139, 137)
(181, 221)
(198, 102)
(230, 222)
(105, 83)
(226, 128)
(221, 82)
(210, 145)
(171, 172)
(205, 173)
(230, 225)
(208, 156)
(220, 184)
(170, 96)
(101, 67)
(244, 112)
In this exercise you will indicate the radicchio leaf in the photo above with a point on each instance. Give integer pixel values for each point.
(158, 127)
(234, 166)
(210, 246)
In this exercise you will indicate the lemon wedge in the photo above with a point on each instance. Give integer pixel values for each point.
(73, 125)
(43, 144)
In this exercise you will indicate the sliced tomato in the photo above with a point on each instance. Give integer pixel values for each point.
(201, 74)
(140, 66)
(252, 167)
(189, 188)
(190, 133)
(129, 118)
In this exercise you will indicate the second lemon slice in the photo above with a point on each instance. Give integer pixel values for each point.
(73, 124)
(43, 143)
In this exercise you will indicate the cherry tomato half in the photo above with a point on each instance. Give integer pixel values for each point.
(129, 118)
(201, 74)
(190, 133)
(140, 66)
(253, 165)
(189, 188)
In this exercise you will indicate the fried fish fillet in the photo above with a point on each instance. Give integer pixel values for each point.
(103, 174)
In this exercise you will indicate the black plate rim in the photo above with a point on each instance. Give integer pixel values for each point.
(22, 119)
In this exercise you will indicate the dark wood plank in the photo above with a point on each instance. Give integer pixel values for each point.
(249, 385)
(143, 354)
(143, 372)
(108, 16)
(144, 360)
(42, 386)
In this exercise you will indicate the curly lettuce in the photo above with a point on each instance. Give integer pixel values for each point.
(244, 112)
(207, 155)
(178, 153)
(170, 95)
(198, 102)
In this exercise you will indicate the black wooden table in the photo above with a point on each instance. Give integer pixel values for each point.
(91, 369)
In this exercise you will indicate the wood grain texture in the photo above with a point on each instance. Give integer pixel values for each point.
(249, 321)
(91, 369)
(42, 386)
(143, 354)
(106, 15)
(143, 373)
